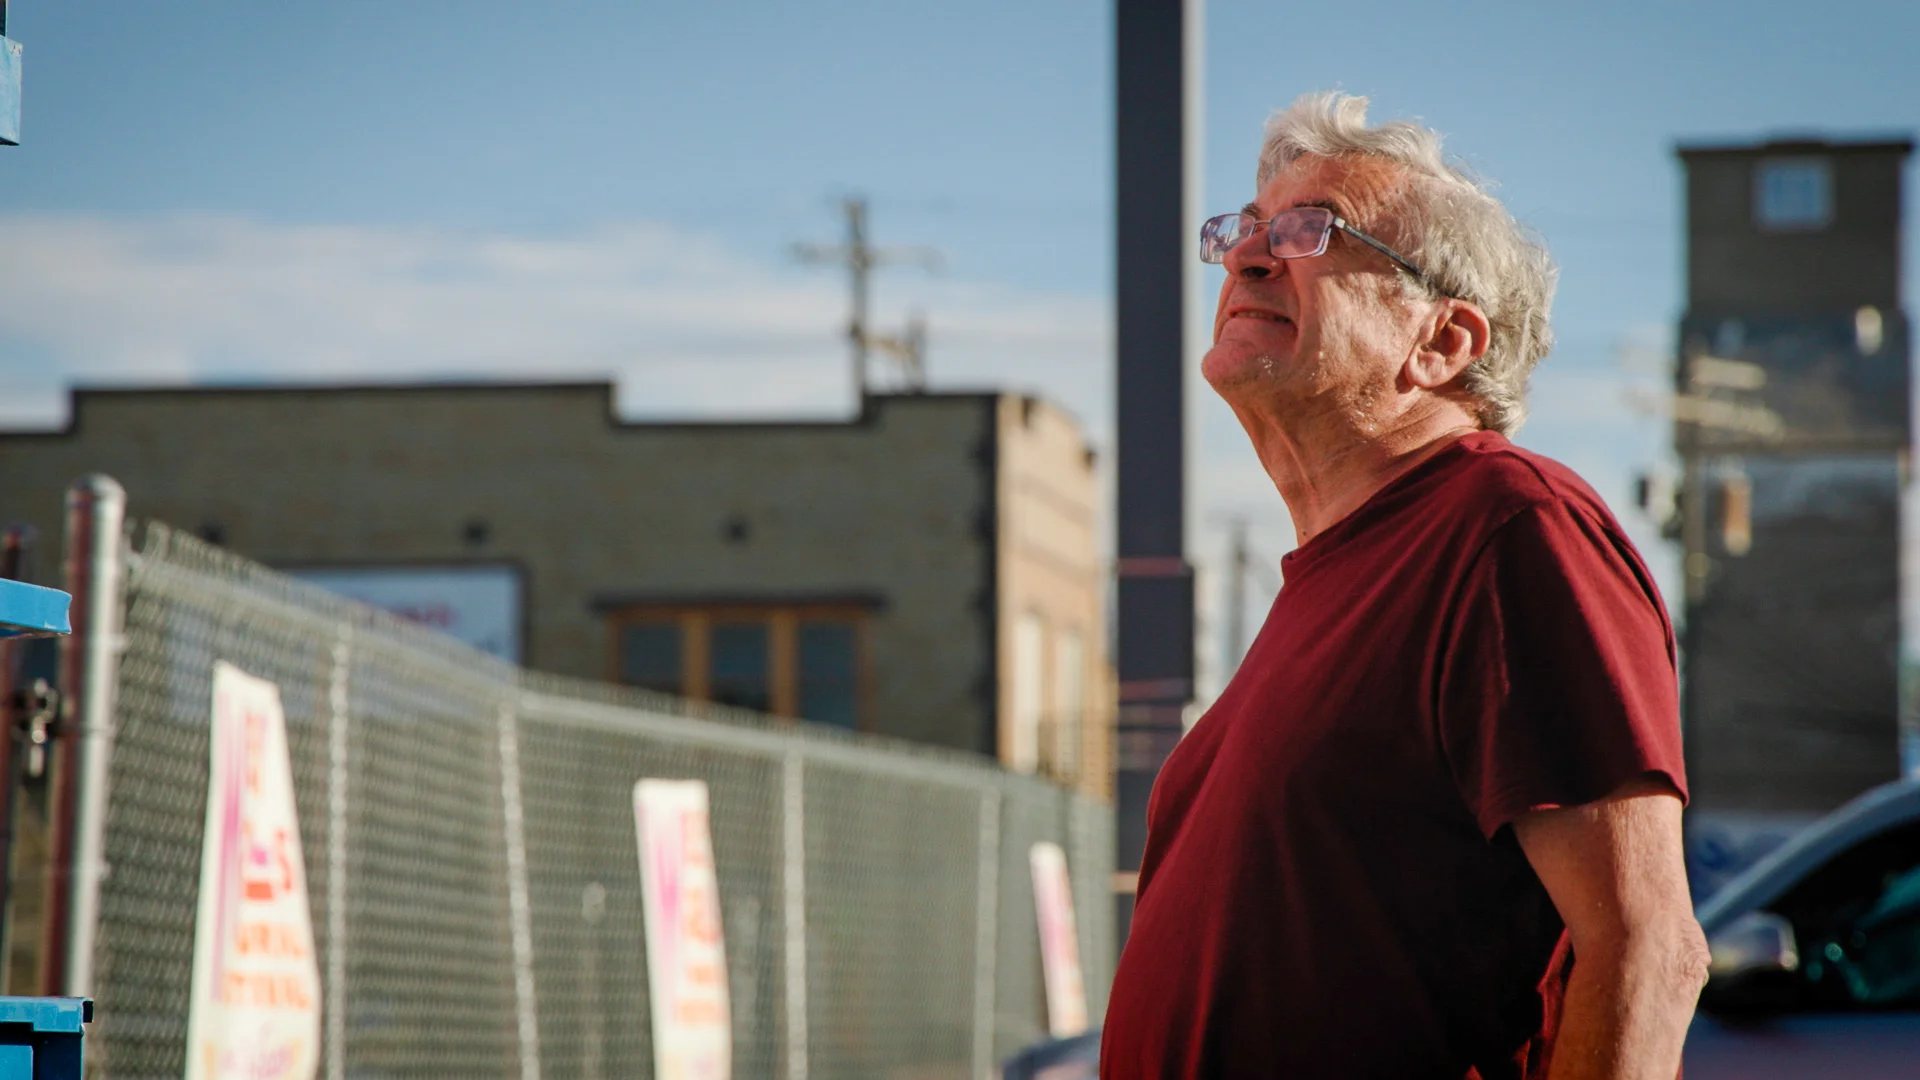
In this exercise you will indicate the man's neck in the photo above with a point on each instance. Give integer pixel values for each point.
(1326, 475)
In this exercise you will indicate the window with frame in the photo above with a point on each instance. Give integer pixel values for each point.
(803, 661)
(1793, 194)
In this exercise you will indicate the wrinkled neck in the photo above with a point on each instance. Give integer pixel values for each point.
(1326, 471)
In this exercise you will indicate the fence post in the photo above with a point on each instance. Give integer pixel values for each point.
(89, 680)
(793, 892)
(337, 745)
(986, 934)
(519, 899)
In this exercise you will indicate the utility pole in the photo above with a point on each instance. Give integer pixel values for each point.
(1236, 594)
(861, 258)
(1245, 567)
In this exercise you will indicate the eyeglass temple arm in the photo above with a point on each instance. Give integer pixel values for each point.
(1376, 245)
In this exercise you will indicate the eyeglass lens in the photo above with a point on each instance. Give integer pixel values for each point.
(1292, 234)
(1300, 232)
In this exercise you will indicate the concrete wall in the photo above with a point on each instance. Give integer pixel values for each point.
(948, 508)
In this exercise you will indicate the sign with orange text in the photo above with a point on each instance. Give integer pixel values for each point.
(686, 958)
(255, 1012)
(1059, 941)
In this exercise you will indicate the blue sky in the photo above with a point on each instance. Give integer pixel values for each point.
(221, 191)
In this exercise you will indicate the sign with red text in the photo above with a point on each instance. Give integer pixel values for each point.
(1059, 941)
(480, 604)
(255, 1011)
(686, 958)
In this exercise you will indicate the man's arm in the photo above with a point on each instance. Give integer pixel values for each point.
(1616, 871)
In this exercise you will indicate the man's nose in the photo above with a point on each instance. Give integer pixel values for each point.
(1251, 258)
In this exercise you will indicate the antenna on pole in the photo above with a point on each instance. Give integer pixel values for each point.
(861, 258)
(908, 349)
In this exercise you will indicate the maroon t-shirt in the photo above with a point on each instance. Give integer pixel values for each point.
(1329, 887)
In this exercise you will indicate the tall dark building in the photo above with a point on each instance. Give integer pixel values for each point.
(1791, 419)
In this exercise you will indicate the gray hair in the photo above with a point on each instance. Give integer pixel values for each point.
(1451, 226)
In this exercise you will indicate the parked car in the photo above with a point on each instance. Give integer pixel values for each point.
(1816, 952)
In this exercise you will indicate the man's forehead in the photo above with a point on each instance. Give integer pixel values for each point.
(1351, 187)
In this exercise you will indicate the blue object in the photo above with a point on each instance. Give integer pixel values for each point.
(41, 1038)
(1076, 1057)
(9, 92)
(32, 611)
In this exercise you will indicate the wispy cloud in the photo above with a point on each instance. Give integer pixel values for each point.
(684, 324)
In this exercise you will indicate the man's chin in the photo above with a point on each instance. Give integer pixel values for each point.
(1230, 369)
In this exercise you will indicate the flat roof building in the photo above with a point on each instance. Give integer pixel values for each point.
(930, 570)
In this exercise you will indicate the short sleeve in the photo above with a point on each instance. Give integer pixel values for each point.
(1557, 681)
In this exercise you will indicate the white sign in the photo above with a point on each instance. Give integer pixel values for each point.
(1059, 941)
(686, 958)
(479, 605)
(255, 1011)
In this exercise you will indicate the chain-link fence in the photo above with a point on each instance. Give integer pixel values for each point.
(472, 864)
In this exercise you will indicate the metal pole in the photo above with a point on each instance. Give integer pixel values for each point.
(519, 896)
(16, 552)
(1157, 67)
(89, 682)
(1237, 597)
(793, 896)
(986, 933)
(338, 719)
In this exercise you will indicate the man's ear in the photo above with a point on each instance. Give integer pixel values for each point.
(1457, 334)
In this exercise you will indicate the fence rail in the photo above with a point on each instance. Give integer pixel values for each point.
(473, 871)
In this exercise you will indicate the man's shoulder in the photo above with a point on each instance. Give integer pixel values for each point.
(1496, 481)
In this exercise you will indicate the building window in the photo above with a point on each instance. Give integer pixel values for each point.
(806, 660)
(651, 656)
(1069, 703)
(739, 674)
(1791, 194)
(1029, 700)
(829, 671)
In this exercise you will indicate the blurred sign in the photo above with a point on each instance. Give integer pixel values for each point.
(9, 88)
(255, 1010)
(686, 958)
(1059, 941)
(479, 605)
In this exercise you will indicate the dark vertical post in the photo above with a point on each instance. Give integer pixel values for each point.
(16, 551)
(1151, 248)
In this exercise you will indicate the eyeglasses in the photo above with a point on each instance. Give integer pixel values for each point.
(1299, 233)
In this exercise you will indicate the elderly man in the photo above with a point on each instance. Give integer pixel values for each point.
(1432, 827)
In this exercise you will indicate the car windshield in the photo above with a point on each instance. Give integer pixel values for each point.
(1858, 924)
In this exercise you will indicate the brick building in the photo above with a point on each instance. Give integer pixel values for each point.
(1793, 384)
(929, 570)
